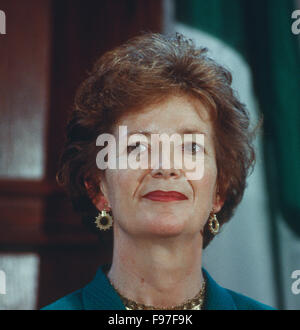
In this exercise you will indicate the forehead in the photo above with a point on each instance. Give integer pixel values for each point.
(176, 114)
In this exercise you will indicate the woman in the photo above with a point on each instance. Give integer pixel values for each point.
(161, 217)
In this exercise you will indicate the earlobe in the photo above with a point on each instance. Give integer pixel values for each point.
(101, 203)
(218, 204)
(98, 199)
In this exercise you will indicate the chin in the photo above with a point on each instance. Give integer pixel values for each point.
(166, 227)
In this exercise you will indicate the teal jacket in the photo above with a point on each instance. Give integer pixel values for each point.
(100, 295)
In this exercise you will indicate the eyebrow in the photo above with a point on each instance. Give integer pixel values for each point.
(180, 131)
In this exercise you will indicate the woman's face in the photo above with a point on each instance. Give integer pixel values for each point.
(124, 188)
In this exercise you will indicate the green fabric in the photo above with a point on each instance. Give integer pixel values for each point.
(261, 31)
(220, 18)
(100, 295)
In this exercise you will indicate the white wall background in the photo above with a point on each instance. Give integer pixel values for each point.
(21, 281)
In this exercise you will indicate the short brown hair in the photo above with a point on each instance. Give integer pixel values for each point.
(142, 71)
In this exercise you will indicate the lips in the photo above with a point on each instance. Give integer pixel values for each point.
(165, 196)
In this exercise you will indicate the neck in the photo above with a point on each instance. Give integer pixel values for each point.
(160, 272)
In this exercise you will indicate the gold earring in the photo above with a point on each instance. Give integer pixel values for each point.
(213, 224)
(104, 220)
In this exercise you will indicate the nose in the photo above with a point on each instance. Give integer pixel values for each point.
(166, 173)
(164, 170)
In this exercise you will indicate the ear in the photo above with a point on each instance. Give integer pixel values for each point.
(218, 202)
(99, 200)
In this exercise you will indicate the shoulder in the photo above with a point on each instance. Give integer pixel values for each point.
(220, 298)
(72, 301)
(243, 302)
(98, 294)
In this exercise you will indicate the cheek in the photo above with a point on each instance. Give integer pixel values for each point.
(205, 188)
(122, 184)
(209, 178)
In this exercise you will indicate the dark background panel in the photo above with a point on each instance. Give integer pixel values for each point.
(48, 49)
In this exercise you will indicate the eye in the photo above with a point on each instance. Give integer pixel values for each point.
(138, 147)
(192, 147)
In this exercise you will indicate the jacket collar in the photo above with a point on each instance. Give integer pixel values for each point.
(217, 297)
(100, 295)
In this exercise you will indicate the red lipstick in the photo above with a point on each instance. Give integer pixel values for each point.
(165, 196)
